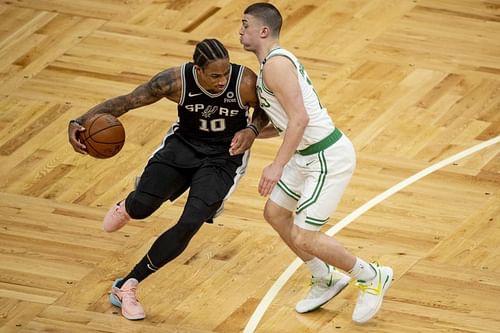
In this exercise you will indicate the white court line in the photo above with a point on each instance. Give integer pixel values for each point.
(287, 274)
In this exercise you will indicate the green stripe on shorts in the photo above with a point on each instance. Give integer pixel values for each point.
(313, 221)
(288, 191)
(319, 185)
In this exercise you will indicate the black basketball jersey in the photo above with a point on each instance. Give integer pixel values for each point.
(212, 118)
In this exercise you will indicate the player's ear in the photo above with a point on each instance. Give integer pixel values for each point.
(265, 32)
(198, 69)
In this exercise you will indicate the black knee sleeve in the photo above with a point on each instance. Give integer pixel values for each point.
(140, 205)
(197, 211)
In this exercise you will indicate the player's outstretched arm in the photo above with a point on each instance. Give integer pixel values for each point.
(164, 84)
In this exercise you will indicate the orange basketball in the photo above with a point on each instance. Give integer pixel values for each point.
(104, 135)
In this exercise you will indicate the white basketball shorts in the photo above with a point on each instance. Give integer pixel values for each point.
(313, 185)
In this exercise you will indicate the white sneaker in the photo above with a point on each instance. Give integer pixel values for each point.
(322, 290)
(371, 293)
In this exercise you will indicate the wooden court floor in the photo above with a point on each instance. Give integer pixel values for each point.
(412, 82)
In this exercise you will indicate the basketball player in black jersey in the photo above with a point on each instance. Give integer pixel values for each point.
(205, 151)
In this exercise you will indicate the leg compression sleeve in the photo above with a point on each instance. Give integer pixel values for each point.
(175, 240)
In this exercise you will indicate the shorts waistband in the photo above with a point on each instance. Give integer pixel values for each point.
(321, 145)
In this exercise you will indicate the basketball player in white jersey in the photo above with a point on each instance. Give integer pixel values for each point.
(311, 169)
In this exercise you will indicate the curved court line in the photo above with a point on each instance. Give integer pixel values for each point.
(285, 276)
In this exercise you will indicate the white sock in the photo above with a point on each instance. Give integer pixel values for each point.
(318, 267)
(362, 270)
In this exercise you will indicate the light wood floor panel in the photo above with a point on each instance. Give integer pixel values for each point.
(411, 82)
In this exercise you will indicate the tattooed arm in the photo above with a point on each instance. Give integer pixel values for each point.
(164, 84)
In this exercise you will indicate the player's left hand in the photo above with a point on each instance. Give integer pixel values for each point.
(241, 142)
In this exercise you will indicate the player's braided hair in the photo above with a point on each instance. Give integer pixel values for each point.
(208, 50)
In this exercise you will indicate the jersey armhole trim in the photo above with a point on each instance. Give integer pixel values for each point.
(183, 84)
(238, 86)
(266, 89)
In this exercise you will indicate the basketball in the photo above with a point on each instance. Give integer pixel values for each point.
(104, 135)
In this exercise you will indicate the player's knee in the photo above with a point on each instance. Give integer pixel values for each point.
(276, 216)
(269, 215)
(196, 212)
(141, 205)
(303, 239)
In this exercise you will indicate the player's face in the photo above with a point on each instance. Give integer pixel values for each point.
(250, 32)
(214, 76)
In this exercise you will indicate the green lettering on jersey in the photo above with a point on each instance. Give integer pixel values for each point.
(262, 100)
(303, 72)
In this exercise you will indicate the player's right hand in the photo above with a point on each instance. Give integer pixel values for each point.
(74, 131)
(269, 178)
(241, 142)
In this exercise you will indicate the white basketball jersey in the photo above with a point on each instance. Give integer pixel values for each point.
(320, 124)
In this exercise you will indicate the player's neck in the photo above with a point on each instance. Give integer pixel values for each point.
(266, 49)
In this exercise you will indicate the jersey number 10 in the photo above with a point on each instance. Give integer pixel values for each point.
(214, 125)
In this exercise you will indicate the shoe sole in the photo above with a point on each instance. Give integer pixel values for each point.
(133, 318)
(343, 282)
(113, 299)
(384, 290)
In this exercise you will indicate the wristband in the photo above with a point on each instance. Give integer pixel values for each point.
(254, 129)
(75, 121)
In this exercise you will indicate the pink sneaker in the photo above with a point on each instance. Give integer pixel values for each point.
(125, 299)
(116, 217)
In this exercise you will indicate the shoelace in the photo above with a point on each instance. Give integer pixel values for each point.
(318, 286)
(117, 210)
(129, 294)
(367, 287)
(121, 214)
